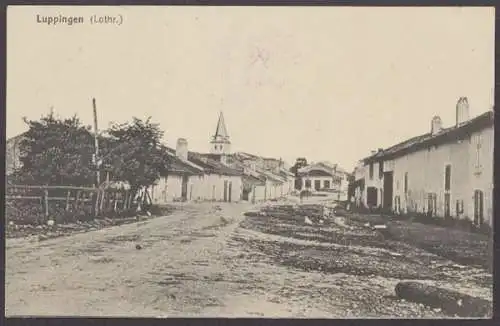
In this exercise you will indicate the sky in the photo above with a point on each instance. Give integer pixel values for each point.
(325, 83)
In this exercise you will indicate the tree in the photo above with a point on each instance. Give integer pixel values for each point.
(299, 163)
(56, 151)
(135, 153)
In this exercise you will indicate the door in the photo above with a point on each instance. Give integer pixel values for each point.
(317, 185)
(388, 178)
(478, 207)
(447, 204)
(225, 190)
(230, 191)
(371, 196)
(431, 204)
(447, 191)
(184, 186)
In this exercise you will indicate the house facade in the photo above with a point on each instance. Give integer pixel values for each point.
(447, 172)
(325, 177)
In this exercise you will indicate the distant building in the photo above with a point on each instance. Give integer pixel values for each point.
(12, 154)
(447, 172)
(326, 177)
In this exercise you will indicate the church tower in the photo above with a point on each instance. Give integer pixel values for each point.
(220, 143)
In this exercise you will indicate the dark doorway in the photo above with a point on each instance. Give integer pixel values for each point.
(447, 206)
(229, 190)
(478, 207)
(388, 191)
(246, 192)
(298, 183)
(431, 204)
(371, 196)
(184, 189)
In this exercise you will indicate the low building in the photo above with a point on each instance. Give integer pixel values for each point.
(325, 177)
(192, 176)
(446, 172)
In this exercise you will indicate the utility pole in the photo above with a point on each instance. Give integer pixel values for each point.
(96, 140)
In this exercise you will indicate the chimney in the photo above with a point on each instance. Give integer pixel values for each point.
(462, 110)
(373, 152)
(181, 151)
(436, 125)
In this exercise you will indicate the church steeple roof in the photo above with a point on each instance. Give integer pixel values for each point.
(221, 130)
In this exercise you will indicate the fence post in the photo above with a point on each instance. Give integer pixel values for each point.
(115, 201)
(46, 202)
(67, 200)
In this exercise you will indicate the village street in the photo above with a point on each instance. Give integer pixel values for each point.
(201, 261)
(187, 266)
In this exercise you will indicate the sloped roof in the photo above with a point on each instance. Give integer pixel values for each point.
(444, 136)
(178, 165)
(212, 166)
(316, 166)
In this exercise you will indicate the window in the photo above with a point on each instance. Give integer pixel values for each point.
(308, 183)
(447, 177)
(380, 170)
(327, 184)
(371, 171)
(478, 143)
(406, 182)
(317, 184)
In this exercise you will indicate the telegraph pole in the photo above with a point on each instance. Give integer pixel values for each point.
(96, 143)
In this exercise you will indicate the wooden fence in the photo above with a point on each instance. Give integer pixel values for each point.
(42, 202)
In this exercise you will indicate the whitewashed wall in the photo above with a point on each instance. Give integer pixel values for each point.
(426, 174)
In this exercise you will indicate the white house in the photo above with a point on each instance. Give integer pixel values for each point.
(194, 177)
(323, 176)
(446, 172)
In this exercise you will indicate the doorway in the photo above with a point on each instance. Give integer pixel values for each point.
(371, 196)
(388, 191)
(478, 207)
(447, 206)
(184, 189)
(230, 191)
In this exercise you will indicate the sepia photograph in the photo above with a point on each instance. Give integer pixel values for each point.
(249, 162)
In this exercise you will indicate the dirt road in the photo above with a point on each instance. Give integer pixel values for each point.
(188, 266)
(201, 261)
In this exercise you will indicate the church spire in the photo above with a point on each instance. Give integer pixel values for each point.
(221, 130)
(220, 143)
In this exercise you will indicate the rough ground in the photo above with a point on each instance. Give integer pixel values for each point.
(209, 260)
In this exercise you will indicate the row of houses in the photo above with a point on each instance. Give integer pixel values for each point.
(445, 172)
(220, 177)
